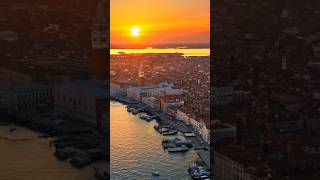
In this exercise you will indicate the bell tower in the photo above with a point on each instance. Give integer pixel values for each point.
(100, 43)
(141, 75)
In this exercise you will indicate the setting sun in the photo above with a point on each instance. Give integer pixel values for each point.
(149, 22)
(135, 31)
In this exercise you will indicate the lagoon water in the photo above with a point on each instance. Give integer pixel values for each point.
(25, 156)
(136, 149)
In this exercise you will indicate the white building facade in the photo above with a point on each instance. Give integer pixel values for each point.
(18, 97)
(81, 100)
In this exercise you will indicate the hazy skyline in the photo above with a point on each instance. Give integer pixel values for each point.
(160, 22)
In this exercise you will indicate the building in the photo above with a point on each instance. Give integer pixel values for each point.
(8, 36)
(87, 100)
(225, 95)
(83, 100)
(22, 97)
(170, 99)
(141, 75)
(185, 116)
(155, 90)
(204, 131)
(13, 75)
(117, 90)
(166, 104)
(239, 163)
(290, 125)
(225, 168)
(27, 73)
(223, 131)
(153, 102)
(182, 115)
(100, 43)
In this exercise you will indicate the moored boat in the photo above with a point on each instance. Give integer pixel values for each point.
(101, 176)
(80, 161)
(198, 172)
(156, 174)
(178, 149)
(170, 132)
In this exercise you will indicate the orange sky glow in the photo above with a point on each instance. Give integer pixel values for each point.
(159, 21)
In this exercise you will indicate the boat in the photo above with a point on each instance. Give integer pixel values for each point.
(178, 149)
(169, 140)
(156, 127)
(148, 118)
(145, 117)
(101, 176)
(135, 112)
(198, 172)
(161, 128)
(66, 144)
(181, 142)
(64, 153)
(202, 174)
(170, 132)
(80, 161)
(156, 174)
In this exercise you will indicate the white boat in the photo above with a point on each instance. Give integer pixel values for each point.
(178, 149)
(170, 132)
(198, 172)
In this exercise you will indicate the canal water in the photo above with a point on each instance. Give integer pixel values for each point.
(136, 149)
(25, 156)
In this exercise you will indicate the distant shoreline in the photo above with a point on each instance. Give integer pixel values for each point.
(185, 52)
(160, 46)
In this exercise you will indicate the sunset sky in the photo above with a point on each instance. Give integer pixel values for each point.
(152, 22)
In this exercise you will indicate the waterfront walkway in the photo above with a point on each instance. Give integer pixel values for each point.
(205, 157)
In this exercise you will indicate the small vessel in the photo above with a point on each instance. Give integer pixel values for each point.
(101, 176)
(135, 112)
(130, 109)
(178, 149)
(156, 127)
(80, 161)
(198, 172)
(145, 117)
(148, 118)
(181, 142)
(156, 174)
(64, 153)
(170, 132)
